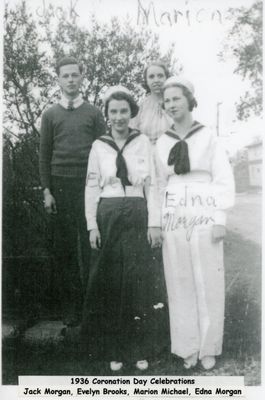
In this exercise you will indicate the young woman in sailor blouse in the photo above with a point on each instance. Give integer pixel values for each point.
(197, 187)
(123, 218)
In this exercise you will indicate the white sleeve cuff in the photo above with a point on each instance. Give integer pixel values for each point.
(92, 225)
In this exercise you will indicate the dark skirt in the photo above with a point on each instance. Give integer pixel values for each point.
(125, 312)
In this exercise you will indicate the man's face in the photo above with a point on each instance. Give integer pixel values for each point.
(70, 80)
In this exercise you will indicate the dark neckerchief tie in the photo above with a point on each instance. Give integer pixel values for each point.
(122, 172)
(179, 154)
(70, 105)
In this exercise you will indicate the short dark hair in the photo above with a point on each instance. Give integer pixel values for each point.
(122, 96)
(192, 102)
(157, 63)
(68, 60)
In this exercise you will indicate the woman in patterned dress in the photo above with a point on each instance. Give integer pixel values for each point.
(151, 118)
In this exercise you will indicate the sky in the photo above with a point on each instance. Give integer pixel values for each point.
(198, 34)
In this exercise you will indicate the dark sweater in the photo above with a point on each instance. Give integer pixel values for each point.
(66, 139)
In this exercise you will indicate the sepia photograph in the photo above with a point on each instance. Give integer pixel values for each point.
(132, 169)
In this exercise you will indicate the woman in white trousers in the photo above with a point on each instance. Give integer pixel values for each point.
(197, 187)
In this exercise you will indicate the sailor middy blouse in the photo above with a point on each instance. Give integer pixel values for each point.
(103, 182)
(207, 162)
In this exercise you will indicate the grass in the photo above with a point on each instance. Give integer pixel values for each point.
(242, 336)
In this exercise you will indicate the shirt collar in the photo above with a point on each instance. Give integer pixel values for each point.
(64, 101)
(196, 126)
(131, 132)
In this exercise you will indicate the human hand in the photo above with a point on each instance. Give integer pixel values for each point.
(95, 239)
(49, 203)
(218, 233)
(154, 237)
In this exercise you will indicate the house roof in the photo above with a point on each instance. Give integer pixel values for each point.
(256, 144)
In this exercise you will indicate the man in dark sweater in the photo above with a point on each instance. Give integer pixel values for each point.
(67, 132)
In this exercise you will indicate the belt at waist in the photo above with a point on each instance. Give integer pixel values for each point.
(129, 191)
(193, 176)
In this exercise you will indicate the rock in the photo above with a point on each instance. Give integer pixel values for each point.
(9, 330)
(44, 332)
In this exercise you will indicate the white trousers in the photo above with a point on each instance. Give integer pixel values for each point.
(194, 273)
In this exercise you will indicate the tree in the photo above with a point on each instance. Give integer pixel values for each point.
(244, 43)
(111, 53)
(27, 81)
(28, 88)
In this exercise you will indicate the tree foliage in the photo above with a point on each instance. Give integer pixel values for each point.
(244, 43)
(27, 81)
(111, 53)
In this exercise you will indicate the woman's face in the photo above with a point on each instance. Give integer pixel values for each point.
(119, 114)
(175, 103)
(155, 78)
